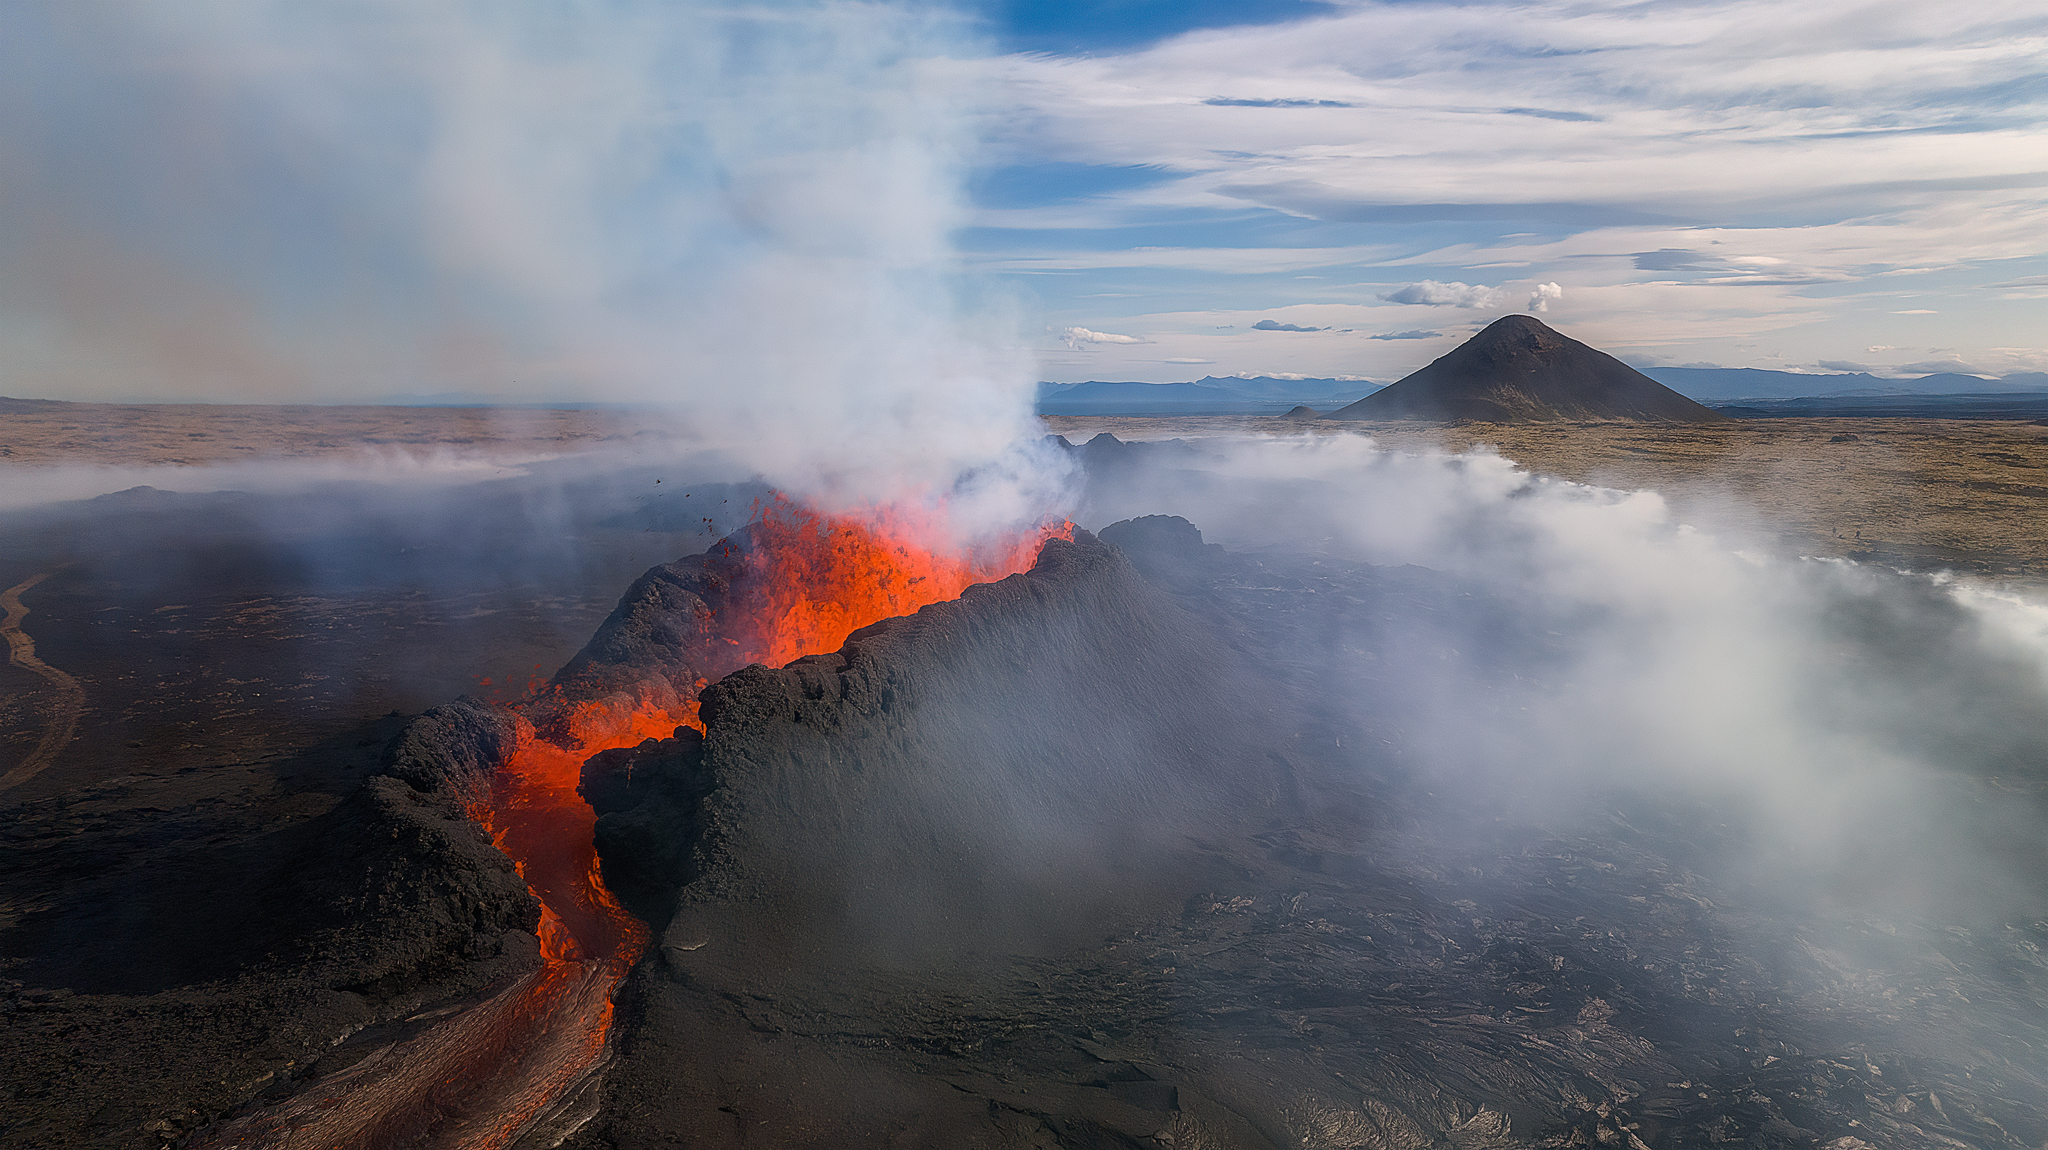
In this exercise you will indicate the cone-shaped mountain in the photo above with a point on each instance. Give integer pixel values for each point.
(1518, 370)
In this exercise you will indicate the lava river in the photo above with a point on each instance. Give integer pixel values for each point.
(524, 1061)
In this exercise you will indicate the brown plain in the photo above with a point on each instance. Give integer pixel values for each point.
(47, 432)
(1920, 493)
(1914, 493)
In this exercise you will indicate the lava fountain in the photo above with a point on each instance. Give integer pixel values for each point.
(523, 1061)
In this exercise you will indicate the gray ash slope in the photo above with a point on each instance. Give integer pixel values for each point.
(1095, 856)
(1518, 369)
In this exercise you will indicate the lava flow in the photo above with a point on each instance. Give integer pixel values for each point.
(801, 582)
(810, 580)
(818, 578)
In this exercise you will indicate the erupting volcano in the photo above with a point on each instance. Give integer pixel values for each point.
(792, 582)
(830, 837)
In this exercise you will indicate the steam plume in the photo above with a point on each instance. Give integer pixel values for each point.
(740, 213)
(1844, 709)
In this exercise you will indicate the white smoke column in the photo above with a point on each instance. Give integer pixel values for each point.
(1539, 300)
(741, 213)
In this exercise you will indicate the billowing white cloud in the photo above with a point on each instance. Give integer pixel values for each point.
(1540, 297)
(1433, 294)
(1075, 337)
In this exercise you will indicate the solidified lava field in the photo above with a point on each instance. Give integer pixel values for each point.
(1158, 843)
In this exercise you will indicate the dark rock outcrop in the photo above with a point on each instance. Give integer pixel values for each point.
(1051, 758)
(660, 641)
(1146, 847)
(677, 628)
(967, 777)
(221, 959)
(403, 888)
(452, 748)
(1517, 369)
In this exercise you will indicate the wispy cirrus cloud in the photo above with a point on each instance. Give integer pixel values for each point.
(1222, 260)
(1725, 104)
(1781, 160)
(1229, 102)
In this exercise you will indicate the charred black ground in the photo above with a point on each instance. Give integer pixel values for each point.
(958, 885)
(1144, 847)
(252, 864)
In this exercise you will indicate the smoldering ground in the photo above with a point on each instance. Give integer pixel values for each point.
(1441, 802)
(1861, 722)
(1465, 795)
(308, 596)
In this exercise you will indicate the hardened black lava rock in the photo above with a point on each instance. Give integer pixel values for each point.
(1102, 855)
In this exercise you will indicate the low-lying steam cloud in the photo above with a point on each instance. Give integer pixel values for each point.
(1851, 714)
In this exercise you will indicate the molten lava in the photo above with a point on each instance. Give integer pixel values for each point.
(817, 579)
(808, 582)
(800, 583)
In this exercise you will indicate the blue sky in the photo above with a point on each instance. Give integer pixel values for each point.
(653, 199)
(1817, 186)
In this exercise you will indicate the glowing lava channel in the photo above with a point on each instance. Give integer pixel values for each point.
(503, 1068)
(811, 580)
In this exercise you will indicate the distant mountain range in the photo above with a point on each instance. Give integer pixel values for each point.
(1270, 395)
(1716, 383)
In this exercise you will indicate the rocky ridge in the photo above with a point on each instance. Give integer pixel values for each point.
(927, 890)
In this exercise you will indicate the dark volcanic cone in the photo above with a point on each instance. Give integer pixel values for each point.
(1131, 850)
(994, 757)
(1518, 370)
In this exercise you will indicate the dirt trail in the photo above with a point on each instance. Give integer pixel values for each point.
(63, 710)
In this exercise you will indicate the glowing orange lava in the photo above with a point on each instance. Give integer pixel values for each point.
(803, 583)
(810, 580)
(818, 578)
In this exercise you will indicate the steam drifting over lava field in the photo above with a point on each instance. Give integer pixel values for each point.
(749, 727)
(1386, 799)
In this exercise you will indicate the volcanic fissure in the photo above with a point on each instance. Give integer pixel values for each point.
(792, 582)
